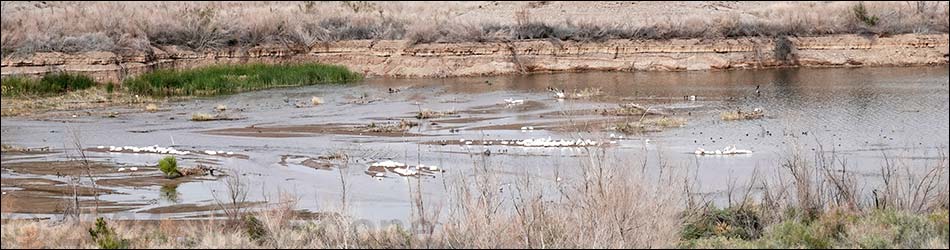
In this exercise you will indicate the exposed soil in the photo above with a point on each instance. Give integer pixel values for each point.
(60, 168)
(191, 208)
(306, 131)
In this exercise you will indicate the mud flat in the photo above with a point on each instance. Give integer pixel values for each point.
(384, 130)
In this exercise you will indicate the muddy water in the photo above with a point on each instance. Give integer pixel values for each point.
(862, 115)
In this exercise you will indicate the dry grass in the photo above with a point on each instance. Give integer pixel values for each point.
(650, 125)
(75, 100)
(316, 101)
(739, 115)
(134, 27)
(631, 109)
(151, 108)
(429, 114)
(398, 127)
(203, 117)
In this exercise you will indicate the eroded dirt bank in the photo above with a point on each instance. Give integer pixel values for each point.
(398, 59)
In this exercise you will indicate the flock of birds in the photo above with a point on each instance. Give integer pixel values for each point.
(150, 149)
(540, 142)
(730, 150)
(161, 150)
(402, 169)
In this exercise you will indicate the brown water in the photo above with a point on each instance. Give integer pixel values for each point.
(862, 115)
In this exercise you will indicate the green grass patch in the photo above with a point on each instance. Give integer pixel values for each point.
(229, 79)
(51, 84)
(169, 166)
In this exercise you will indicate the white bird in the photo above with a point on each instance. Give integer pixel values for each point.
(133, 169)
(408, 171)
(468, 143)
(388, 164)
(380, 174)
(511, 101)
(692, 98)
(100, 147)
(121, 170)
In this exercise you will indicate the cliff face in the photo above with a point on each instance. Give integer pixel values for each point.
(396, 59)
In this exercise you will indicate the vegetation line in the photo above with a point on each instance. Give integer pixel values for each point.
(205, 81)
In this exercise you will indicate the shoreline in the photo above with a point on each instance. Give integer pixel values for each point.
(397, 59)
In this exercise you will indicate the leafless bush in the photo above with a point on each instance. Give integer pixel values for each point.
(826, 182)
(197, 28)
(911, 188)
(233, 201)
(606, 206)
(821, 183)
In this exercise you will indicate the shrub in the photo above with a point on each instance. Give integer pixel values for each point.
(255, 229)
(796, 234)
(731, 223)
(903, 230)
(783, 49)
(197, 28)
(861, 13)
(169, 167)
(105, 236)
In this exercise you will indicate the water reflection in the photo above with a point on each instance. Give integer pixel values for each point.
(169, 192)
